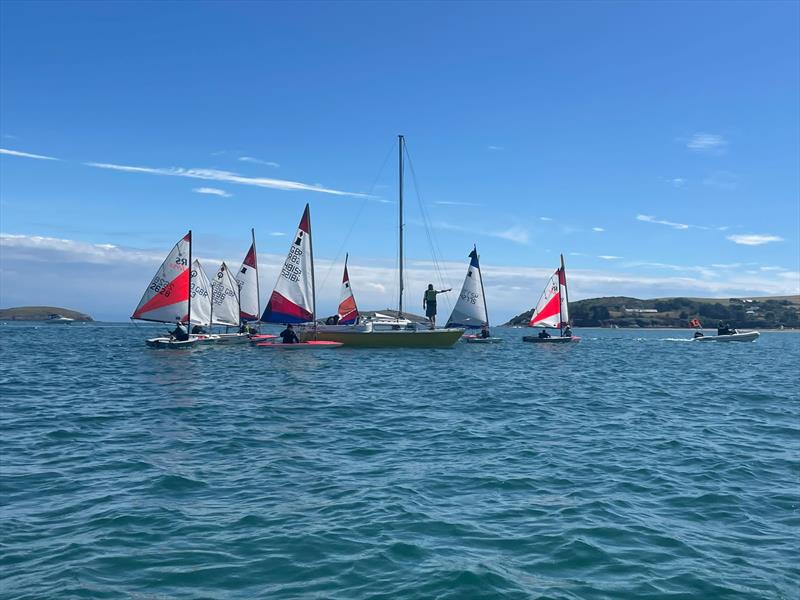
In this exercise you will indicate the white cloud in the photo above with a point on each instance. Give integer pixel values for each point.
(772, 269)
(226, 176)
(706, 142)
(495, 148)
(545, 219)
(212, 191)
(753, 239)
(677, 181)
(513, 234)
(652, 219)
(609, 257)
(449, 203)
(78, 274)
(597, 229)
(258, 161)
(25, 154)
(276, 233)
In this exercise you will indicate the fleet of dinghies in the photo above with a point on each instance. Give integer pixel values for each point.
(181, 294)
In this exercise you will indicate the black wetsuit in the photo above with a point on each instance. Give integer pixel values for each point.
(289, 336)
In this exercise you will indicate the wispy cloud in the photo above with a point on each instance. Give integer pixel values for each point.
(228, 177)
(212, 191)
(276, 233)
(495, 148)
(722, 179)
(772, 269)
(258, 161)
(597, 229)
(8, 152)
(514, 234)
(545, 219)
(706, 142)
(754, 239)
(609, 257)
(652, 219)
(450, 203)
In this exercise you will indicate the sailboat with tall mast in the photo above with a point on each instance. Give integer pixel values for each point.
(168, 297)
(470, 310)
(391, 332)
(552, 311)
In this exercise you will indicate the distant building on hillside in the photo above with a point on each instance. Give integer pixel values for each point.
(637, 311)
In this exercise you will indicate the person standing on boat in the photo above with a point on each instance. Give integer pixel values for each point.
(429, 303)
(289, 336)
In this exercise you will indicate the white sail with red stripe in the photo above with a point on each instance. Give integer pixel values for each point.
(247, 280)
(224, 298)
(200, 291)
(166, 299)
(348, 311)
(549, 308)
(292, 300)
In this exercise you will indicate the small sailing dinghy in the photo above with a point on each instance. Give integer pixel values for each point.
(470, 311)
(293, 298)
(167, 299)
(347, 311)
(552, 310)
(745, 336)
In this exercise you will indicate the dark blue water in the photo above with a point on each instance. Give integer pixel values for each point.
(626, 466)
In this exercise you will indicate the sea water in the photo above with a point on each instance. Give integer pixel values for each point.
(635, 464)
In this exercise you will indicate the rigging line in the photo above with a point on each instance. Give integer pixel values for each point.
(358, 215)
(432, 242)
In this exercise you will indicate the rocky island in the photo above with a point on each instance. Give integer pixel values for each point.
(40, 313)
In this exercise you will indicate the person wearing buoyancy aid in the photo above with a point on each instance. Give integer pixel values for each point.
(429, 303)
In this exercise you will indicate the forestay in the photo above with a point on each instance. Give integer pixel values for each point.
(166, 299)
(201, 296)
(292, 300)
(348, 311)
(548, 310)
(247, 281)
(224, 298)
(470, 309)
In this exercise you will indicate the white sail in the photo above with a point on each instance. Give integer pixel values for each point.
(548, 310)
(247, 280)
(224, 298)
(564, 303)
(470, 309)
(166, 299)
(200, 290)
(292, 300)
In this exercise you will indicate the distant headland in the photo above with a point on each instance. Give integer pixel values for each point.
(40, 313)
(619, 311)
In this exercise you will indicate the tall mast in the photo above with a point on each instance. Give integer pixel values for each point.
(189, 324)
(313, 286)
(401, 143)
(480, 278)
(258, 291)
(566, 293)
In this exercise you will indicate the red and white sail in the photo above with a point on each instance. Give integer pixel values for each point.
(548, 310)
(224, 298)
(200, 292)
(348, 311)
(292, 300)
(166, 299)
(247, 280)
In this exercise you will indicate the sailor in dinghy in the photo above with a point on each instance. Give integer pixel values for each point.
(470, 311)
(552, 310)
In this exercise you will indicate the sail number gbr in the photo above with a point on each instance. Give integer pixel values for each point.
(291, 268)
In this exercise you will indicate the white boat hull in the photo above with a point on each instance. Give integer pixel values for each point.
(476, 339)
(171, 343)
(748, 336)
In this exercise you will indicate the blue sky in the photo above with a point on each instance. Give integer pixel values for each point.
(655, 144)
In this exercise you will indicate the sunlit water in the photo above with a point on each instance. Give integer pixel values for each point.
(626, 466)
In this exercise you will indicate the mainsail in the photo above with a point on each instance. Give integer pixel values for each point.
(201, 296)
(292, 300)
(224, 298)
(470, 309)
(166, 299)
(348, 311)
(247, 280)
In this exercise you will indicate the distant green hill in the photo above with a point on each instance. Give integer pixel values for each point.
(621, 311)
(40, 313)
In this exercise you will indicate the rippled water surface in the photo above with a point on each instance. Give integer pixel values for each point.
(627, 466)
